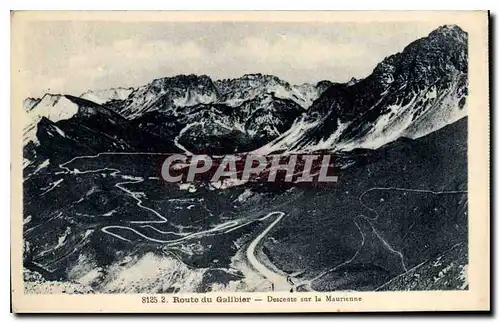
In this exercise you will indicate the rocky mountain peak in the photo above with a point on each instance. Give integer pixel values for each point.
(444, 51)
(30, 103)
(449, 31)
(411, 93)
(183, 81)
(352, 81)
(107, 95)
(260, 76)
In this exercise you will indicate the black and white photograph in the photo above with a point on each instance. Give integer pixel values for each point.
(200, 157)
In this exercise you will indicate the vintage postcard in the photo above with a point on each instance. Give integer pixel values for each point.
(250, 161)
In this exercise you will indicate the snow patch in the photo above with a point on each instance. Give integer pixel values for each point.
(288, 139)
(425, 113)
(43, 165)
(53, 185)
(53, 107)
(154, 274)
(91, 276)
(227, 183)
(105, 96)
(244, 196)
(464, 277)
(190, 99)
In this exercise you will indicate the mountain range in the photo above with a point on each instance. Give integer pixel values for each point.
(92, 194)
(409, 94)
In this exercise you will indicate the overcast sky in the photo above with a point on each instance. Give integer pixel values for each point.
(72, 57)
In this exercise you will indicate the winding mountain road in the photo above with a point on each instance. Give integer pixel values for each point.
(225, 227)
(279, 282)
(375, 218)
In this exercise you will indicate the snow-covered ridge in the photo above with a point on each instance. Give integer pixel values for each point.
(427, 112)
(236, 91)
(54, 107)
(29, 103)
(190, 90)
(169, 92)
(172, 94)
(107, 95)
(409, 94)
